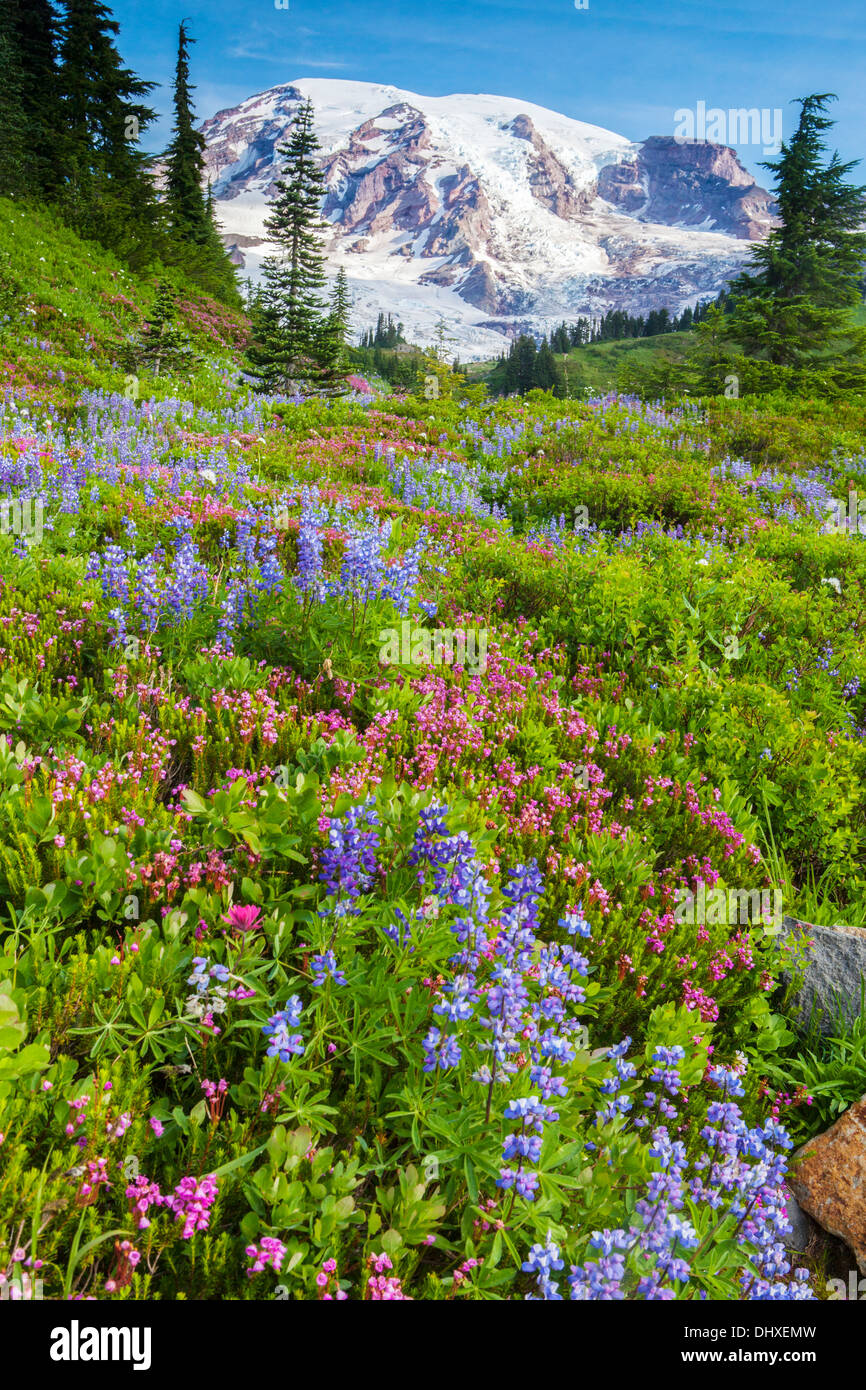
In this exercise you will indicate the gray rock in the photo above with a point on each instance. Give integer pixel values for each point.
(835, 971)
(801, 1224)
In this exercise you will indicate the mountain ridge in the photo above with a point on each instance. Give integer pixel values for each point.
(496, 214)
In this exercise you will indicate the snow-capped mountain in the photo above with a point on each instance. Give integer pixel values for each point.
(492, 213)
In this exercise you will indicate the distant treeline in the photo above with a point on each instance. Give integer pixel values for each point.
(530, 363)
(618, 324)
(387, 334)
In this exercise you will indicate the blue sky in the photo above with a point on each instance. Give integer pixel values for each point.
(618, 63)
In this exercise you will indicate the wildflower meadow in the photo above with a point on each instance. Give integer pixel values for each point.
(393, 794)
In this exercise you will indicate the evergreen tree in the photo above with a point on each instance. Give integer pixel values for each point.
(560, 340)
(185, 155)
(162, 345)
(443, 338)
(14, 155)
(341, 305)
(30, 28)
(657, 321)
(520, 365)
(332, 350)
(795, 301)
(544, 374)
(107, 188)
(197, 246)
(288, 325)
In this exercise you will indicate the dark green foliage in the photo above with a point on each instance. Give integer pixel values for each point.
(196, 247)
(617, 324)
(162, 345)
(29, 114)
(13, 144)
(332, 344)
(794, 305)
(527, 366)
(520, 365)
(106, 192)
(545, 374)
(388, 334)
(188, 211)
(289, 335)
(71, 116)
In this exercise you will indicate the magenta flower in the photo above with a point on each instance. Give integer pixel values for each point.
(244, 918)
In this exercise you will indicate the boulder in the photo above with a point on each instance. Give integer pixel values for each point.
(828, 1179)
(802, 1227)
(835, 971)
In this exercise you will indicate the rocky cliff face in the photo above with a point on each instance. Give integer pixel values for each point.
(549, 180)
(689, 185)
(496, 214)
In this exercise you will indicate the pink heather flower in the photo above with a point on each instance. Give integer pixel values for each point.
(269, 1251)
(157, 1126)
(212, 1089)
(380, 1289)
(120, 1126)
(47, 1085)
(60, 841)
(191, 1203)
(141, 1195)
(126, 1258)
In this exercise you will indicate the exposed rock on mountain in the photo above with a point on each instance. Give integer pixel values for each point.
(493, 213)
(689, 184)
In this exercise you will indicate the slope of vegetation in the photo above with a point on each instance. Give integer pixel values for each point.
(335, 963)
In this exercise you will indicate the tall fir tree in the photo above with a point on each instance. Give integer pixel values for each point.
(107, 187)
(335, 329)
(287, 321)
(520, 365)
(545, 375)
(185, 163)
(196, 245)
(14, 155)
(793, 305)
(30, 28)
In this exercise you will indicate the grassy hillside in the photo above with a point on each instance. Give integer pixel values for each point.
(66, 304)
(596, 366)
